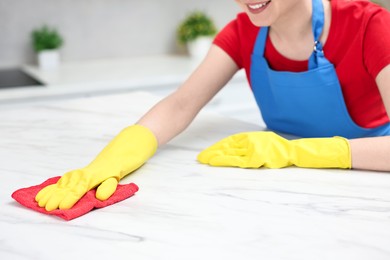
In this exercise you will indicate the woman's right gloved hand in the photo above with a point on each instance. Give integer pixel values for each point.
(267, 149)
(129, 150)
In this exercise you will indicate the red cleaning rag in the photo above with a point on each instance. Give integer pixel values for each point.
(26, 197)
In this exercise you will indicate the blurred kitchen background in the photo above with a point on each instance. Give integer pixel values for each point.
(95, 29)
(110, 46)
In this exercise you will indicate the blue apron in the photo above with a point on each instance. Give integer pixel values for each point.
(306, 104)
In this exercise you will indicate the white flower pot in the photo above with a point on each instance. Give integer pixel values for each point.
(48, 59)
(199, 47)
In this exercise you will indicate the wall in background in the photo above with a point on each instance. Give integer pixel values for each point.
(95, 29)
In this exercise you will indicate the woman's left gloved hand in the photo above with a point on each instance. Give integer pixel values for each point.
(257, 149)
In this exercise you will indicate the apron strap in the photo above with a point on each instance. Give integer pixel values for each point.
(317, 58)
(317, 20)
(260, 42)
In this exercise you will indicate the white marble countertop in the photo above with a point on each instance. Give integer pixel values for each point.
(183, 210)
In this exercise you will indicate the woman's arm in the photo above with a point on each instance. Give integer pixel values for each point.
(174, 113)
(374, 153)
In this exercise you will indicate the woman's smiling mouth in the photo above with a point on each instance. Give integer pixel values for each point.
(256, 8)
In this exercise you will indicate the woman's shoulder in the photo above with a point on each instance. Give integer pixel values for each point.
(357, 9)
(237, 39)
(355, 15)
(241, 28)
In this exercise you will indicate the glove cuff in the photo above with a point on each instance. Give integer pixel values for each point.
(147, 137)
(140, 143)
(130, 149)
(321, 153)
(346, 149)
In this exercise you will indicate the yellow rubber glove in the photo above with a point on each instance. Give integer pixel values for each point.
(257, 149)
(129, 150)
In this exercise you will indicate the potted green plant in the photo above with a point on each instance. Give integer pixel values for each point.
(46, 43)
(196, 31)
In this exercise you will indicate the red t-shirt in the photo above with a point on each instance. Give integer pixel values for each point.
(358, 45)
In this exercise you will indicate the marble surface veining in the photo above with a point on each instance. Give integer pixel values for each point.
(183, 210)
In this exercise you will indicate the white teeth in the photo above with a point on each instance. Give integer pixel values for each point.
(257, 6)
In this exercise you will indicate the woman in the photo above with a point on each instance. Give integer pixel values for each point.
(319, 69)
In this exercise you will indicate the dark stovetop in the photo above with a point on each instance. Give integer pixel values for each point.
(12, 78)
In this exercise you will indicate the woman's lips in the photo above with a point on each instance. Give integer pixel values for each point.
(258, 7)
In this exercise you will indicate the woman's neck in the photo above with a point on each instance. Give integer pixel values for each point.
(292, 34)
(295, 23)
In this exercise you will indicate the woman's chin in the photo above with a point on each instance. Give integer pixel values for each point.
(260, 22)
